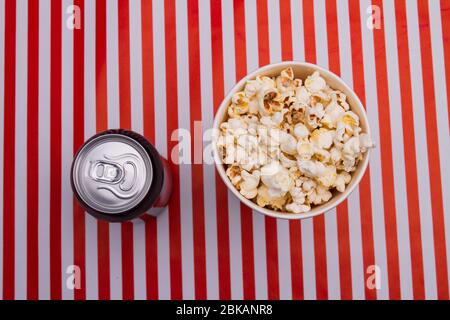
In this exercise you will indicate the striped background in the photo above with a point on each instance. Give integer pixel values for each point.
(149, 65)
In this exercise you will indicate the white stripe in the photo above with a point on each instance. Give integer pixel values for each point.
(331, 236)
(161, 143)
(212, 267)
(441, 114)
(234, 217)
(429, 267)
(259, 240)
(398, 151)
(273, 15)
(309, 271)
(89, 130)
(115, 236)
(140, 283)
(44, 149)
(2, 83)
(251, 35)
(137, 125)
(229, 66)
(376, 181)
(112, 60)
(320, 26)
(298, 41)
(136, 66)
(307, 234)
(284, 260)
(20, 201)
(283, 241)
(345, 57)
(91, 258)
(66, 149)
(115, 262)
(259, 245)
(187, 242)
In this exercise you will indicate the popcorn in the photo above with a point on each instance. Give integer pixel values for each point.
(285, 82)
(333, 113)
(297, 208)
(301, 131)
(305, 150)
(233, 173)
(302, 97)
(308, 185)
(322, 138)
(341, 180)
(249, 185)
(328, 177)
(287, 162)
(365, 142)
(265, 198)
(297, 195)
(351, 148)
(319, 195)
(311, 168)
(276, 178)
(315, 83)
(239, 104)
(287, 145)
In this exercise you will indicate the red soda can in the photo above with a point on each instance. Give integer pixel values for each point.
(117, 175)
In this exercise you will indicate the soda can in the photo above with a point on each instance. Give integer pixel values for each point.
(117, 175)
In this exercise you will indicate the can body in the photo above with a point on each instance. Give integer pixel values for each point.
(165, 193)
(117, 175)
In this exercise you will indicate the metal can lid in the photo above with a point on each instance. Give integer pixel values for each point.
(112, 173)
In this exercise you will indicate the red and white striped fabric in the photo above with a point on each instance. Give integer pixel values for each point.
(155, 66)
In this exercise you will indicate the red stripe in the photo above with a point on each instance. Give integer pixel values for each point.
(273, 286)
(410, 152)
(263, 32)
(147, 69)
(248, 257)
(345, 267)
(176, 284)
(55, 151)
(101, 125)
(445, 18)
(127, 261)
(364, 186)
(151, 258)
(198, 209)
(345, 271)
(320, 250)
(223, 240)
(124, 64)
(32, 152)
(309, 31)
(151, 231)
(286, 30)
(125, 123)
(294, 226)
(100, 66)
(386, 159)
(440, 250)
(79, 224)
(8, 150)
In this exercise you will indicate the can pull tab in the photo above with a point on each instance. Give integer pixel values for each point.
(106, 172)
(116, 174)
